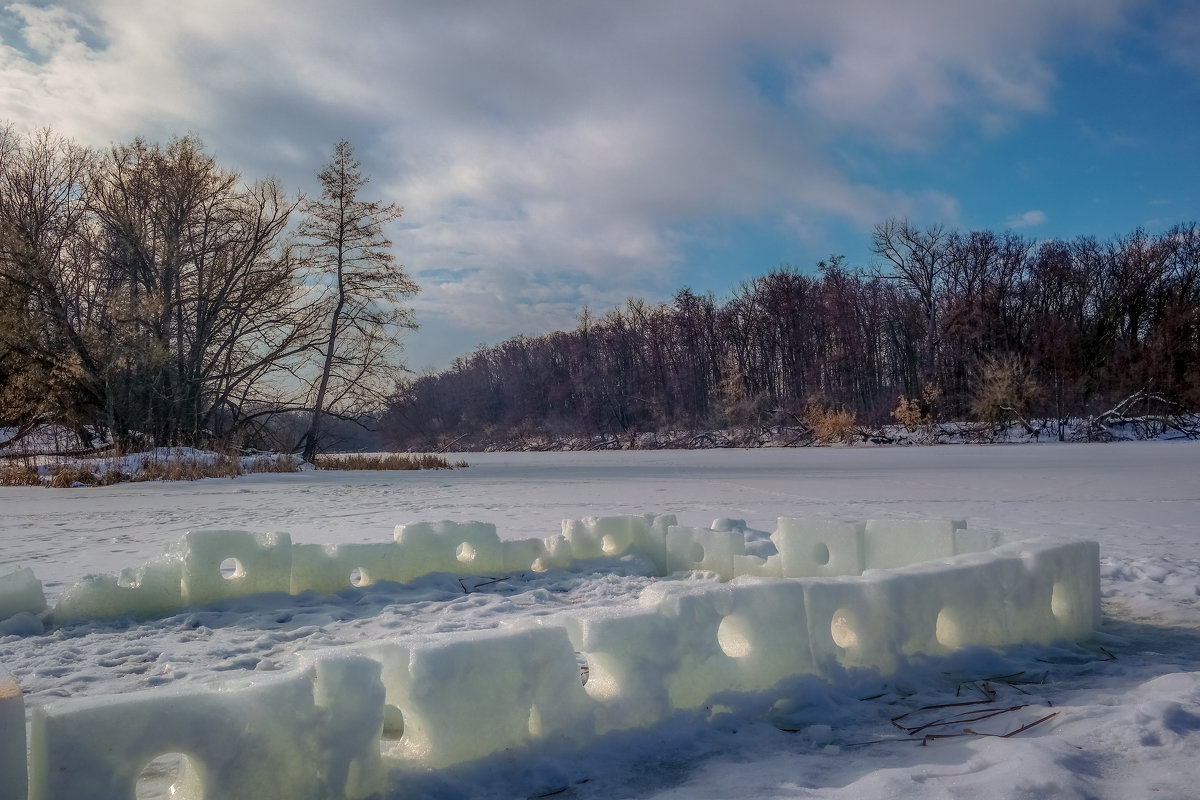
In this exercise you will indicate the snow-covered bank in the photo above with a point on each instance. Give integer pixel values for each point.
(1134, 717)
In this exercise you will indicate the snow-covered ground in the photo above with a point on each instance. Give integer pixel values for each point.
(1128, 703)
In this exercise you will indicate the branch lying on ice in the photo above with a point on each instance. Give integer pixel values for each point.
(974, 712)
(1168, 415)
(965, 718)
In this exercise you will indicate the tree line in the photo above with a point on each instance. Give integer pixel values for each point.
(150, 296)
(983, 326)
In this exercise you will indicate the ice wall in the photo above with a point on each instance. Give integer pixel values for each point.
(190, 572)
(336, 725)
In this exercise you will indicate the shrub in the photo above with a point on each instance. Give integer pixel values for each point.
(908, 413)
(829, 425)
(1005, 391)
(915, 413)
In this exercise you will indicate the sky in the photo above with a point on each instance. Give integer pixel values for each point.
(555, 155)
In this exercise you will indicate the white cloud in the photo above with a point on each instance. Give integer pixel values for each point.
(1028, 219)
(1177, 33)
(549, 146)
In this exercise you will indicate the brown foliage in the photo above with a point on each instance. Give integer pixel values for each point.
(907, 413)
(913, 413)
(829, 425)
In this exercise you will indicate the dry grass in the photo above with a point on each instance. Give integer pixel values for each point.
(111, 476)
(187, 469)
(385, 461)
(284, 462)
(13, 474)
(69, 475)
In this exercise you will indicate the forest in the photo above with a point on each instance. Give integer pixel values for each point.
(992, 331)
(151, 297)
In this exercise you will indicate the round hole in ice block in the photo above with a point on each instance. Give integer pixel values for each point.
(1060, 601)
(358, 577)
(169, 775)
(598, 681)
(947, 630)
(232, 568)
(843, 628)
(733, 634)
(820, 554)
(609, 545)
(393, 722)
(694, 553)
(465, 552)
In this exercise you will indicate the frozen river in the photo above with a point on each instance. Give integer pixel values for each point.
(1128, 726)
(1149, 489)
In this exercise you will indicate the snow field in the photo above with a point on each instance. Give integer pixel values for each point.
(1128, 700)
(340, 723)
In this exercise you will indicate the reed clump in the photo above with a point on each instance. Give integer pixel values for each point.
(14, 474)
(386, 461)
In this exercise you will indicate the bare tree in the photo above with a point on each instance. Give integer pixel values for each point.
(203, 302)
(920, 261)
(48, 302)
(350, 256)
